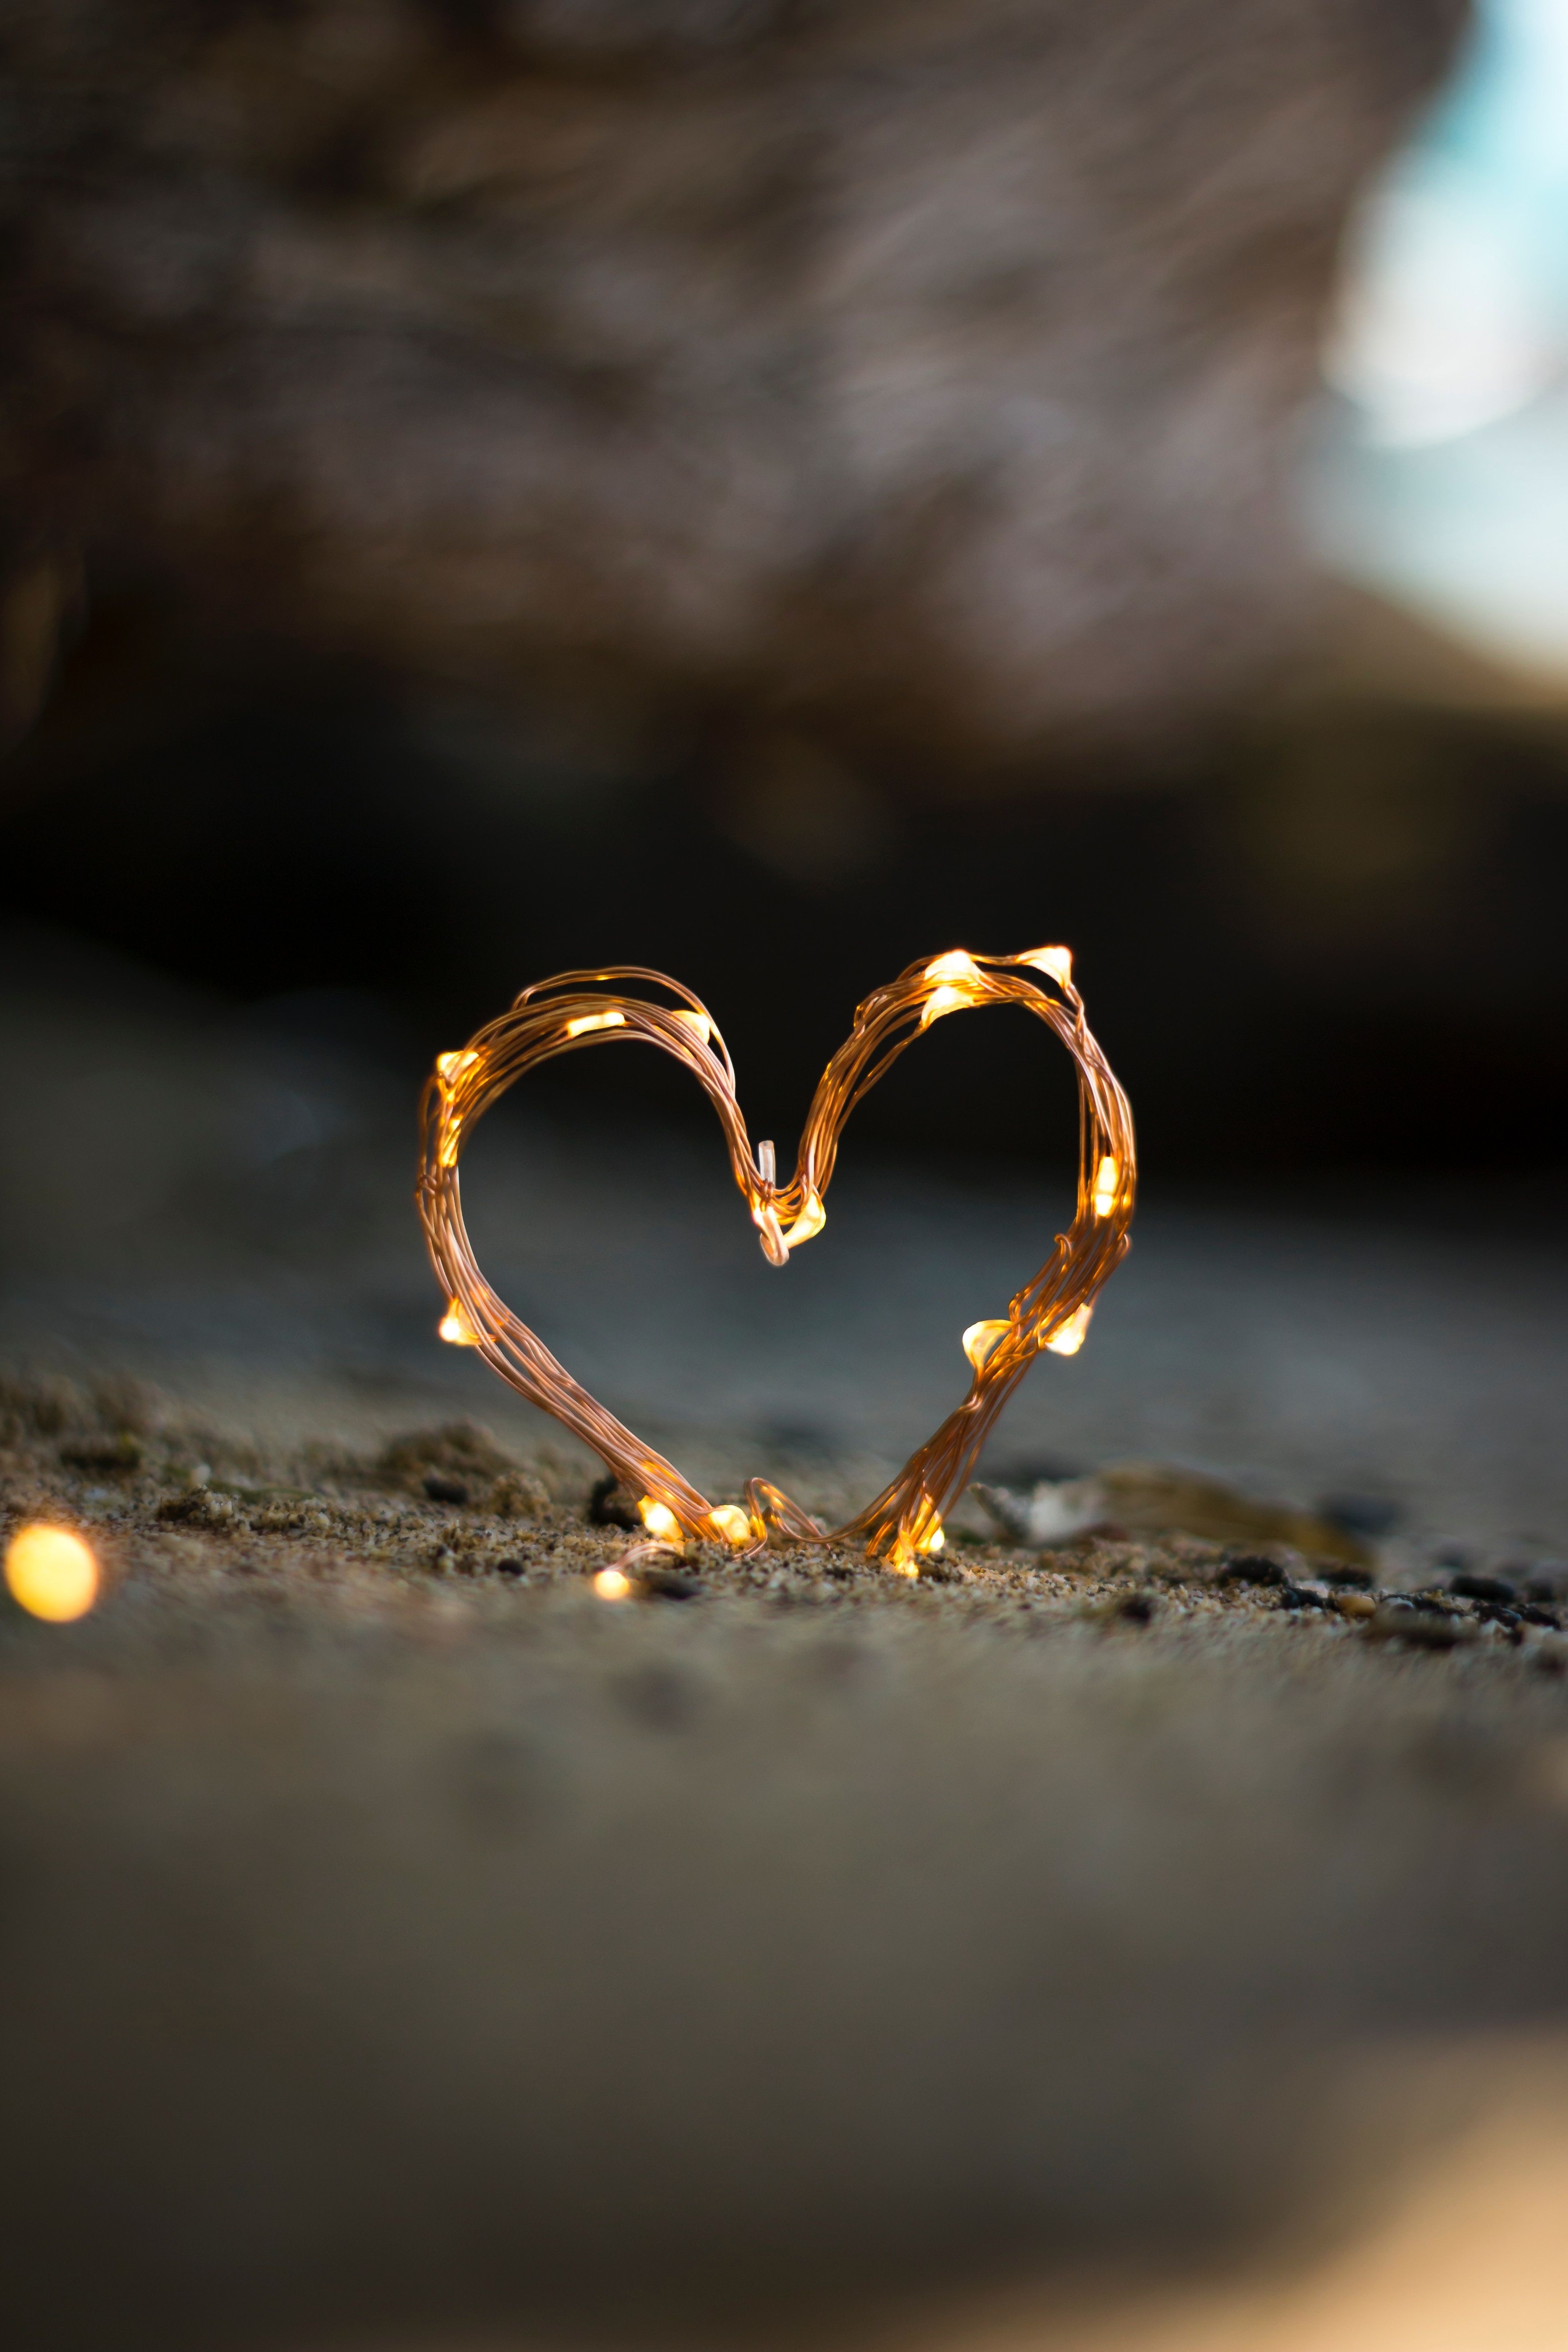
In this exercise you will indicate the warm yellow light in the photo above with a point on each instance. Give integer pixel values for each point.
(980, 1338)
(957, 964)
(944, 1000)
(1050, 1310)
(52, 1573)
(612, 1584)
(1069, 1339)
(936, 1540)
(811, 1220)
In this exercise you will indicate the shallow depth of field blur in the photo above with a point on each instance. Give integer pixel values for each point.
(771, 492)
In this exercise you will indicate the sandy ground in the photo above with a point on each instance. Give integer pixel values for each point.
(1101, 1946)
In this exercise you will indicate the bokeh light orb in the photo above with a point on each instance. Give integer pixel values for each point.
(51, 1573)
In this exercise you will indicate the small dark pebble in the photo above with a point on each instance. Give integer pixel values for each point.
(1361, 1515)
(1497, 1613)
(1302, 1596)
(1483, 1588)
(1426, 1629)
(1532, 1613)
(1251, 1568)
(510, 1567)
(609, 1506)
(668, 1584)
(1136, 1608)
(442, 1489)
(1347, 1579)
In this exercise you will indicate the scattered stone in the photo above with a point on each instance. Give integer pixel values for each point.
(1350, 1579)
(442, 1489)
(1468, 1586)
(198, 1507)
(1302, 1596)
(1250, 1568)
(610, 1506)
(1137, 1609)
(1426, 1629)
(510, 1567)
(1355, 1604)
(1532, 1613)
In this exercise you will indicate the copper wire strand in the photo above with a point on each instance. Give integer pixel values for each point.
(576, 1009)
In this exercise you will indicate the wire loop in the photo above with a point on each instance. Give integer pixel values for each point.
(577, 1009)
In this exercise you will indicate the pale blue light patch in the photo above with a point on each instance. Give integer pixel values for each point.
(1441, 474)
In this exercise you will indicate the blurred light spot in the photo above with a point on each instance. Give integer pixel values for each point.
(52, 1573)
(1443, 480)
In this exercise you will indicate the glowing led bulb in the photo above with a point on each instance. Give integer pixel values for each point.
(52, 1573)
(811, 1220)
(944, 1000)
(612, 1584)
(980, 1338)
(1068, 1340)
(901, 1526)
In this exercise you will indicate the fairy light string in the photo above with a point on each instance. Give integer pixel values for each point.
(578, 1010)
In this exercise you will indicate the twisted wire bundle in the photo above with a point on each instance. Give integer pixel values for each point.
(573, 1010)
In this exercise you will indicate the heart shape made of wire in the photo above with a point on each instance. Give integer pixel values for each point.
(903, 1525)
